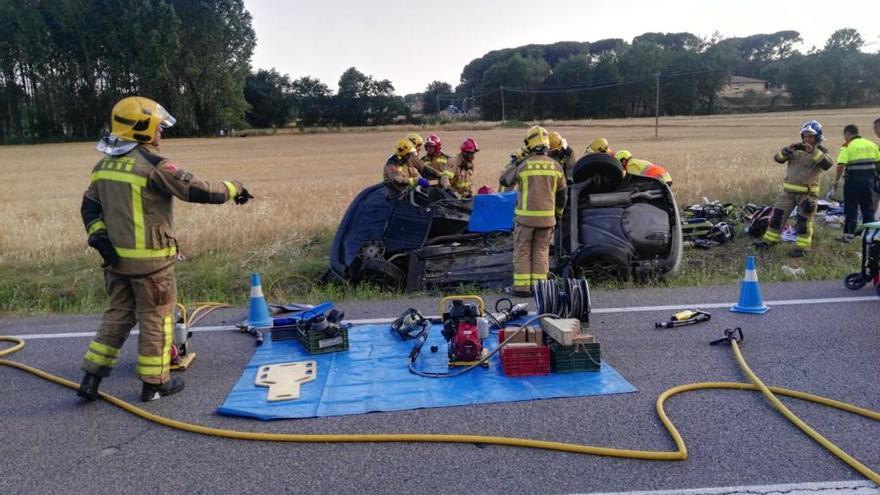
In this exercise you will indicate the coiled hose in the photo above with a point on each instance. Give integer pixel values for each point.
(680, 452)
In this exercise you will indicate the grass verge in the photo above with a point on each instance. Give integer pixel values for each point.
(294, 275)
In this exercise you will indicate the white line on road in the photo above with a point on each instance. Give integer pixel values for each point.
(822, 488)
(635, 309)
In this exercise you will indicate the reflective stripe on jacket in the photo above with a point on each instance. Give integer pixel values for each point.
(859, 154)
(540, 194)
(645, 168)
(804, 169)
(130, 196)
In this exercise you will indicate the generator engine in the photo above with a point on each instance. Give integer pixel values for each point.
(464, 329)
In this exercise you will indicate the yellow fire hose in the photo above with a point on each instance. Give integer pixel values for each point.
(677, 455)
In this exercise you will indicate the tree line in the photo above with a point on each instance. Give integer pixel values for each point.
(64, 63)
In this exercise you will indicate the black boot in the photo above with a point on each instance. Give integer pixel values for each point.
(88, 388)
(151, 391)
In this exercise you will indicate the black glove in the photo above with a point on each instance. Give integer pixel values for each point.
(242, 197)
(102, 243)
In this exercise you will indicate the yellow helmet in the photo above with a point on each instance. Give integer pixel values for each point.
(537, 137)
(599, 145)
(403, 148)
(623, 155)
(557, 142)
(415, 139)
(138, 119)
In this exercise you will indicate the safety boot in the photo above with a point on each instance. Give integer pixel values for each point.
(152, 391)
(88, 388)
(522, 293)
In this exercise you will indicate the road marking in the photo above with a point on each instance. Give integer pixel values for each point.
(821, 488)
(635, 309)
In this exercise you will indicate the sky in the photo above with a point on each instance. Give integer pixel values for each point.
(413, 43)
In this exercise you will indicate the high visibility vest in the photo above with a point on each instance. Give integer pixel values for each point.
(859, 154)
(645, 168)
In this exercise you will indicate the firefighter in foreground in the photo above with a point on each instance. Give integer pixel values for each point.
(540, 199)
(635, 166)
(806, 161)
(400, 171)
(459, 173)
(127, 212)
(562, 153)
(860, 158)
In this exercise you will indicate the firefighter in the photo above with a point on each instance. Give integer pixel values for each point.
(400, 172)
(800, 188)
(540, 199)
(127, 212)
(860, 159)
(635, 166)
(515, 157)
(460, 169)
(435, 160)
(417, 141)
(562, 153)
(598, 145)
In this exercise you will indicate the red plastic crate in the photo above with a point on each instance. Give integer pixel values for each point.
(525, 361)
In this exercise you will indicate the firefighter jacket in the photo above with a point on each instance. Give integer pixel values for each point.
(130, 199)
(460, 174)
(399, 174)
(635, 166)
(435, 166)
(804, 169)
(565, 157)
(859, 154)
(540, 189)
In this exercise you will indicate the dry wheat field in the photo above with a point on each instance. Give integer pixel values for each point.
(304, 182)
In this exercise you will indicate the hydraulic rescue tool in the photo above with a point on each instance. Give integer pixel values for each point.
(503, 316)
(464, 329)
(686, 317)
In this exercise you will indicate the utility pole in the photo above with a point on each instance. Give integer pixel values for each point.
(502, 104)
(657, 109)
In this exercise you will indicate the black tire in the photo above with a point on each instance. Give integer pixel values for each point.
(603, 172)
(854, 281)
(601, 264)
(382, 273)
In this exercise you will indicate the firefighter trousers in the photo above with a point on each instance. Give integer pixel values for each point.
(806, 211)
(858, 189)
(149, 301)
(531, 255)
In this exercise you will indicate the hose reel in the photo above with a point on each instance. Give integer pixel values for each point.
(566, 298)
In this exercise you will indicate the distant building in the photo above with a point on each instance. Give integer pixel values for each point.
(738, 85)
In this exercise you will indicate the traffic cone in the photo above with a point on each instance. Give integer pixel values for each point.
(750, 293)
(258, 310)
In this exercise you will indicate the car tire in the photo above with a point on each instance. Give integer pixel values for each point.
(601, 264)
(381, 273)
(603, 172)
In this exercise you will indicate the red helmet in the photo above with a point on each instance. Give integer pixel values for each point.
(433, 140)
(469, 146)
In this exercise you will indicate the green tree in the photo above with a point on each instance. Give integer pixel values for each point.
(313, 101)
(436, 97)
(269, 95)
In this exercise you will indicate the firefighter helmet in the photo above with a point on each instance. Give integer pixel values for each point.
(469, 146)
(537, 138)
(812, 127)
(138, 119)
(403, 148)
(623, 155)
(557, 142)
(599, 145)
(416, 139)
(434, 142)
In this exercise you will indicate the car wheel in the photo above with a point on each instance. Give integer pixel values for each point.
(601, 265)
(381, 273)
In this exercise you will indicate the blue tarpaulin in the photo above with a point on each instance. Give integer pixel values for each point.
(373, 376)
(493, 212)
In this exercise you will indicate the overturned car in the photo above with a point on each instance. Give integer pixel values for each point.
(613, 228)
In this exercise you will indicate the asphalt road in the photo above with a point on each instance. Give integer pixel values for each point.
(51, 443)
